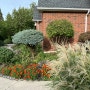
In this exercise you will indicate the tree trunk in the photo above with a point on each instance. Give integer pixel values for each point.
(32, 52)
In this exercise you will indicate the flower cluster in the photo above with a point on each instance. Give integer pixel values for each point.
(32, 71)
(35, 71)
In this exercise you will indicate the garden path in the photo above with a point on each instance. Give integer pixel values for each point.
(7, 84)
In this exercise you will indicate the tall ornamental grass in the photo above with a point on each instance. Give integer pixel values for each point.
(71, 71)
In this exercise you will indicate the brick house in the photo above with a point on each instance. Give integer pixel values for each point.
(75, 11)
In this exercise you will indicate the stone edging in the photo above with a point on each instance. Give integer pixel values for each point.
(11, 78)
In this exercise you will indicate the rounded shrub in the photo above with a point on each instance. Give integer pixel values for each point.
(6, 55)
(31, 37)
(61, 28)
(28, 37)
(84, 37)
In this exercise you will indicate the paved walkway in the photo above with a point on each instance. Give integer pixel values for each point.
(7, 84)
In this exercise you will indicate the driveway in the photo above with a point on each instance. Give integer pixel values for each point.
(7, 84)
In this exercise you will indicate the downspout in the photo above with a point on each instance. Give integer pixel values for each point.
(37, 25)
(86, 20)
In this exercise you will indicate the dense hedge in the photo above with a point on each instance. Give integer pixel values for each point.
(6, 55)
(84, 37)
(60, 28)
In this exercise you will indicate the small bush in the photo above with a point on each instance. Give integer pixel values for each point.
(62, 29)
(28, 37)
(42, 57)
(8, 41)
(5, 55)
(84, 37)
(23, 54)
(16, 59)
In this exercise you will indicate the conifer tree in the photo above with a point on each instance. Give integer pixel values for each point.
(1, 16)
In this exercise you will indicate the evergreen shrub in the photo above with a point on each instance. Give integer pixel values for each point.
(62, 29)
(31, 37)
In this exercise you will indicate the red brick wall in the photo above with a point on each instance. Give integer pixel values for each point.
(77, 19)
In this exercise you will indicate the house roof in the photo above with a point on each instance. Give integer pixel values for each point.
(64, 3)
(36, 15)
(60, 5)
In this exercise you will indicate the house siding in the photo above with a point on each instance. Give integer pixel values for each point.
(77, 19)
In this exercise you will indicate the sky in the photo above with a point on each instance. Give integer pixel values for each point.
(7, 6)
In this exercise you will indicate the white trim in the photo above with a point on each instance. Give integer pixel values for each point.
(56, 8)
(36, 20)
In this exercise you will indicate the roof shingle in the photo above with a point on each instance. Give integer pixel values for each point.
(36, 14)
(64, 3)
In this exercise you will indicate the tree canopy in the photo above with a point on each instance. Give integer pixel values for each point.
(1, 15)
(16, 21)
(19, 20)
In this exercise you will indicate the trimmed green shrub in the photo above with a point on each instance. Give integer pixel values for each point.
(61, 29)
(28, 37)
(84, 37)
(6, 55)
(31, 37)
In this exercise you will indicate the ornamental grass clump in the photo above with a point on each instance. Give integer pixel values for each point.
(72, 69)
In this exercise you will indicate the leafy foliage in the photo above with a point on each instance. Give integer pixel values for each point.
(1, 16)
(42, 57)
(31, 37)
(60, 28)
(19, 20)
(8, 40)
(84, 37)
(22, 54)
(5, 55)
(3, 32)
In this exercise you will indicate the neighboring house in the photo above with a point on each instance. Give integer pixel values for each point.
(75, 11)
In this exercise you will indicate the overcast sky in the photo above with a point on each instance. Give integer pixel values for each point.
(8, 5)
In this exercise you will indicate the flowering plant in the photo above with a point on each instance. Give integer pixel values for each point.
(32, 71)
